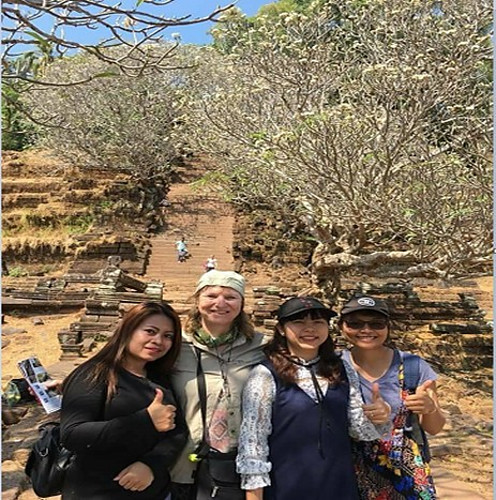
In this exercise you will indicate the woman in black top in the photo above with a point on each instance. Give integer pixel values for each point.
(119, 413)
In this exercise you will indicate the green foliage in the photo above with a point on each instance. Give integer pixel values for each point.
(19, 129)
(18, 133)
(78, 224)
(17, 272)
(225, 33)
(258, 136)
(105, 204)
(282, 6)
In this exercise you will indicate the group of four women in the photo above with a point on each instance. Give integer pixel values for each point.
(221, 411)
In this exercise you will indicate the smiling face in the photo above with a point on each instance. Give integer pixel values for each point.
(305, 335)
(364, 329)
(219, 306)
(151, 340)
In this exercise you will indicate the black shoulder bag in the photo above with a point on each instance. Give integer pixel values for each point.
(216, 475)
(48, 461)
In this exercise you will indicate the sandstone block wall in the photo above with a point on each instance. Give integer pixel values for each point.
(451, 335)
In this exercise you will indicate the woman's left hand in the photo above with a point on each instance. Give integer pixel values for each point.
(135, 477)
(422, 401)
(378, 412)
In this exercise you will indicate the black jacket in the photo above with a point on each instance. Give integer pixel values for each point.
(107, 437)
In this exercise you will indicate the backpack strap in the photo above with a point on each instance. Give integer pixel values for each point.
(411, 373)
(411, 370)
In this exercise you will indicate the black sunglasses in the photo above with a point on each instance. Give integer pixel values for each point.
(373, 325)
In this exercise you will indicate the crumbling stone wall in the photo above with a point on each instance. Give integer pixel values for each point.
(451, 335)
(116, 293)
(133, 249)
(263, 236)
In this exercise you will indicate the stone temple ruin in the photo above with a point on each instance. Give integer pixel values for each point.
(104, 296)
(449, 334)
(452, 335)
(117, 291)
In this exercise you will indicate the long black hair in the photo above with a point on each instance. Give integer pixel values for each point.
(329, 366)
(105, 364)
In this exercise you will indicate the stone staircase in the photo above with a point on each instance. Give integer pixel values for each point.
(206, 222)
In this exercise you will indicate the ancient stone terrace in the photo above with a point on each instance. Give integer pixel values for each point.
(450, 334)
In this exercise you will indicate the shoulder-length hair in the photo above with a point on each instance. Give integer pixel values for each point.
(105, 364)
(329, 366)
(242, 321)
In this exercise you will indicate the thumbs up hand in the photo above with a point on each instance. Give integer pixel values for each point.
(422, 401)
(163, 416)
(378, 412)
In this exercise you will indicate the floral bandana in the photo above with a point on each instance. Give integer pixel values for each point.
(207, 340)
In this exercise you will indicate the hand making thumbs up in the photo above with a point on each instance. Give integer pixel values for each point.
(162, 415)
(378, 412)
(422, 401)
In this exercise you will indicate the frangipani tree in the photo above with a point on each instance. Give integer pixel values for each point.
(129, 125)
(45, 30)
(36, 33)
(370, 120)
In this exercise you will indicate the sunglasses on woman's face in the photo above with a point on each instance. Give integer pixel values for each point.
(373, 325)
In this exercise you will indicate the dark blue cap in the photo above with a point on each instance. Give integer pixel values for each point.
(298, 305)
(365, 303)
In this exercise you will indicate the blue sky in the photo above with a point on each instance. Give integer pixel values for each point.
(197, 8)
(196, 33)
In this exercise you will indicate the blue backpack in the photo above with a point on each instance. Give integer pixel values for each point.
(411, 365)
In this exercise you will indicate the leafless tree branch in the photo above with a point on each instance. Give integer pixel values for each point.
(48, 26)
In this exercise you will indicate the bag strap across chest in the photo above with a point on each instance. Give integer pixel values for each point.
(202, 392)
(411, 380)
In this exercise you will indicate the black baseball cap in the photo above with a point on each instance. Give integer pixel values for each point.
(365, 303)
(298, 305)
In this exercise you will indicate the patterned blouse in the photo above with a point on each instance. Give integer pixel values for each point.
(258, 396)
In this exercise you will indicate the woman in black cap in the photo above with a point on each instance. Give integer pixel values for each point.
(297, 409)
(396, 467)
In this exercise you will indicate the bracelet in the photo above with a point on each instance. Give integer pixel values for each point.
(434, 410)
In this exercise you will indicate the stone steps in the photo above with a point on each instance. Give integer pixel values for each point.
(206, 222)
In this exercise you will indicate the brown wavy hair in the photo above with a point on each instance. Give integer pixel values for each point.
(106, 363)
(329, 366)
(242, 320)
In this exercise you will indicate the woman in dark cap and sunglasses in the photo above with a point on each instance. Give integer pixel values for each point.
(395, 467)
(299, 408)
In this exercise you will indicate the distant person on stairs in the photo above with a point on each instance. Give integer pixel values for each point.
(210, 263)
(182, 250)
(219, 349)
